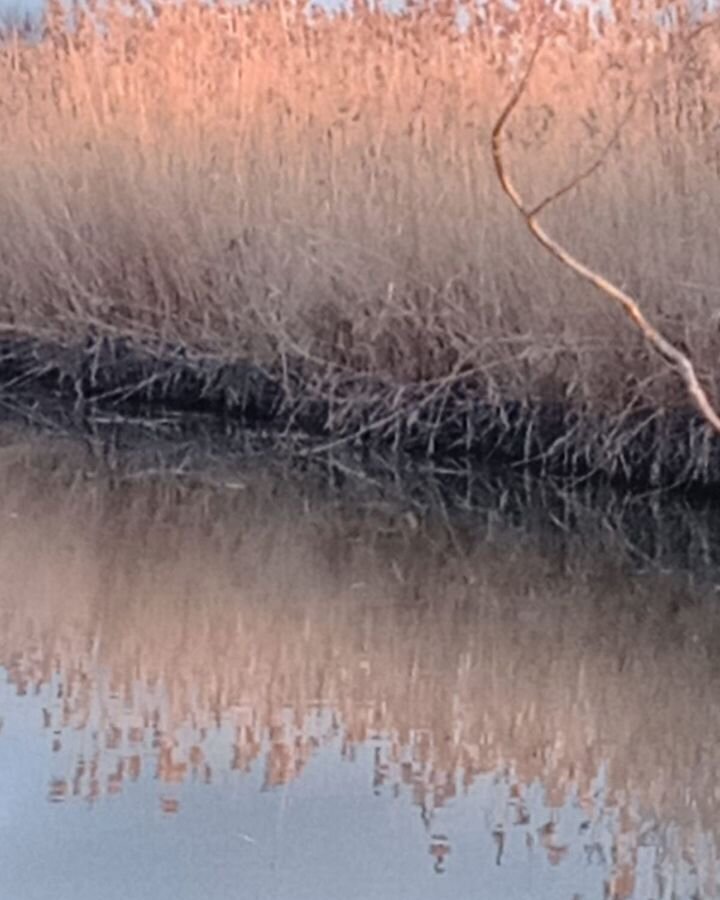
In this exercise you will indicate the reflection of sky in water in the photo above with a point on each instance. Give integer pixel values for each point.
(347, 826)
(277, 692)
(214, 694)
(334, 832)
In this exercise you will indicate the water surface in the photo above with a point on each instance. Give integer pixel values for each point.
(252, 687)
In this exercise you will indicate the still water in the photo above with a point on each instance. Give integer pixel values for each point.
(254, 686)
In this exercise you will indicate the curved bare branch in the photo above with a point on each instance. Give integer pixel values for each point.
(674, 357)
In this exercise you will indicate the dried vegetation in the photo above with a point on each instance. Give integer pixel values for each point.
(296, 218)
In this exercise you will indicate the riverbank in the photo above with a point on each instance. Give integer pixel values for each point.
(295, 224)
(172, 455)
(446, 422)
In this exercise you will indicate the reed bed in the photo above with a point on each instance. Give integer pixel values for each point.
(295, 217)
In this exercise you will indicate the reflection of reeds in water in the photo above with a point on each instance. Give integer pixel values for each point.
(161, 617)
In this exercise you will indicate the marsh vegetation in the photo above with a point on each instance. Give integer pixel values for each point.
(294, 218)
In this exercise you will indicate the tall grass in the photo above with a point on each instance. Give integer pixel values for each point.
(315, 195)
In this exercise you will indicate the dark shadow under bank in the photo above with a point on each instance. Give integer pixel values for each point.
(451, 423)
(172, 460)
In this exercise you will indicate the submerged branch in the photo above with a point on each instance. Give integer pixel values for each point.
(673, 356)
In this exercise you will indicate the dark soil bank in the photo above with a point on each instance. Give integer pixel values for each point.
(451, 421)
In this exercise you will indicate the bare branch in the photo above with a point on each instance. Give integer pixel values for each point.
(592, 168)
(674, 357)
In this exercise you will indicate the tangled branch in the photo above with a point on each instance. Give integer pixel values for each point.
(674, 357)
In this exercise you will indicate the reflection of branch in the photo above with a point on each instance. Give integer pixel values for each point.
(671, 354)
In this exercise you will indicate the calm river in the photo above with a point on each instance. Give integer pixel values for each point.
(252, 685)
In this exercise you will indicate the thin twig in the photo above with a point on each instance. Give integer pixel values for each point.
(674, 357)
(592, 168)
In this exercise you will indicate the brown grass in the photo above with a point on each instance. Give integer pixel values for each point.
(318, 198)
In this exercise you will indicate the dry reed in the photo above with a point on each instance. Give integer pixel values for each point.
(316, 197)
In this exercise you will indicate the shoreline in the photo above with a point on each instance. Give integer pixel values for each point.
(177, 455)
(447, 422)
